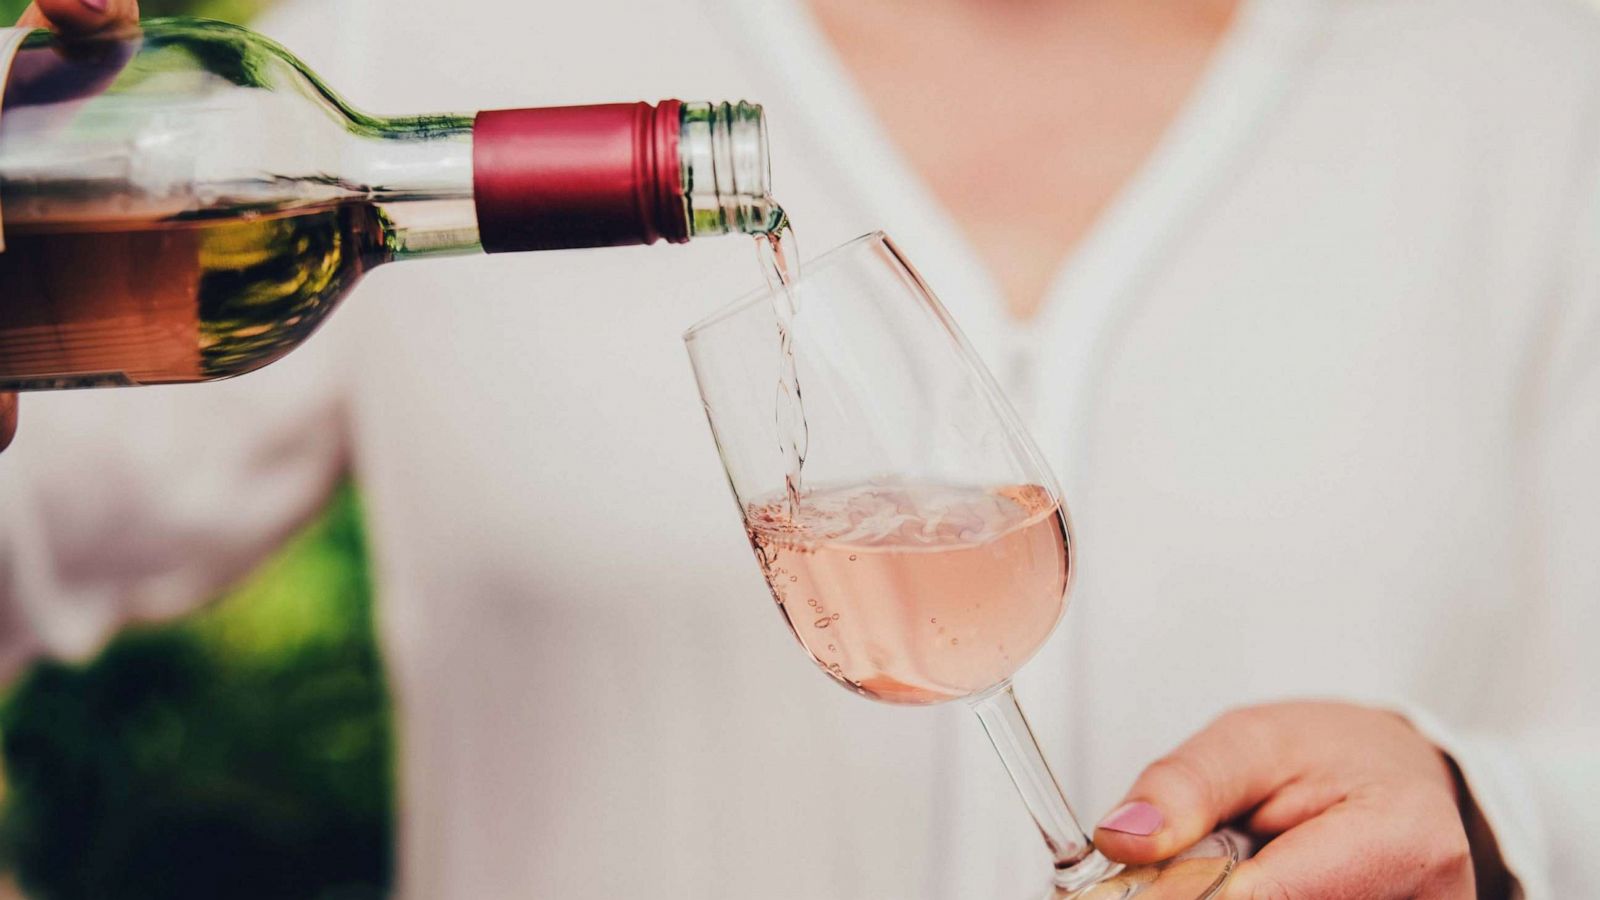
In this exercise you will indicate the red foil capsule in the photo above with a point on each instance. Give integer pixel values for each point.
(578, 176)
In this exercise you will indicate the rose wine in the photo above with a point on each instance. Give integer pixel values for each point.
(187, 201)
(916, 593)
(778, 253)
(148, 302)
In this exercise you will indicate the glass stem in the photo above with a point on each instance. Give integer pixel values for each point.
(1077, 863)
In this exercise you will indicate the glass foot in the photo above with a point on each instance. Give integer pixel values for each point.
(1196, 874)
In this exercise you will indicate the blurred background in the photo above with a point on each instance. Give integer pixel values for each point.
(250, 740)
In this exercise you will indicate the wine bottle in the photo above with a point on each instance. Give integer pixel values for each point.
(187, 202)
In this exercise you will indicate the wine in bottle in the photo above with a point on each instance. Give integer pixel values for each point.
(187, 202)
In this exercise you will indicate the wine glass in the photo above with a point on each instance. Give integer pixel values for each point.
(926, 554)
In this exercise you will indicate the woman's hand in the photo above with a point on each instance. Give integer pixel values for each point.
(1354, 803)
(80, 16)
(67, 17)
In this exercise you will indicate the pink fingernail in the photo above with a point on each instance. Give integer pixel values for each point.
(1138, 818)
(98, 6)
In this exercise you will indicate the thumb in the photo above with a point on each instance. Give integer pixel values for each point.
(1231, 766)
(80, 16)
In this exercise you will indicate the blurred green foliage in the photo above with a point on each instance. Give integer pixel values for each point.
(244, 751)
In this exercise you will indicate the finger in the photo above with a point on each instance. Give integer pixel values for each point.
(80, 16)
(1294, 803)
(8, 419)
(1364, 848)
(1234, 764)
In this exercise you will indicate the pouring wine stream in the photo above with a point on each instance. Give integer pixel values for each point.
(779, 257)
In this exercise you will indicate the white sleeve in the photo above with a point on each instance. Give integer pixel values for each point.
(1537, 780)
(120, 505)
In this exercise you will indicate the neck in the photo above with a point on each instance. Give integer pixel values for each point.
(417, 172)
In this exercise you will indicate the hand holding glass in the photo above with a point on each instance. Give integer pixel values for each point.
(929, 555)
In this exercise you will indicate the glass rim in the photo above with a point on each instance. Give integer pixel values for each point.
(750, 298)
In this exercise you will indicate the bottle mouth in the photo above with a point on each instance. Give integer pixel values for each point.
(724, 169)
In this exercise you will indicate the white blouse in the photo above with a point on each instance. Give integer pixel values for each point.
(1323, 389)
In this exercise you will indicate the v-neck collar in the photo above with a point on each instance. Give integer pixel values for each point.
(1249, 75)
(1248, 72)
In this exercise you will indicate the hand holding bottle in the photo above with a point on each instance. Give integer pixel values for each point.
(73, 17)
(224, 217)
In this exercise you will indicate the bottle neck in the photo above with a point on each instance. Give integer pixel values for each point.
(578, 176)
(417, 171)
(724, 173)
(565, 177)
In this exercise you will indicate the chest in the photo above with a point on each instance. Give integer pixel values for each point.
(1025, 122)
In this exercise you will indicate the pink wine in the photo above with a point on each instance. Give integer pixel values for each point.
(156, 302)
(779, 258)
(916, 593)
